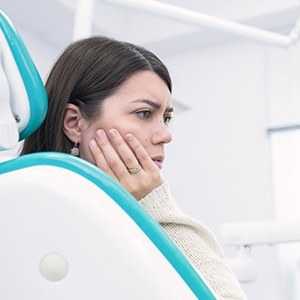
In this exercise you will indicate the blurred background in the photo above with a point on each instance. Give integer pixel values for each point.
(235, 155)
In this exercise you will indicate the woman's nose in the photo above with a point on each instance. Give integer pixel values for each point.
(162, 135)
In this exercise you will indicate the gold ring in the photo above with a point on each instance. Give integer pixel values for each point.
(135, 169)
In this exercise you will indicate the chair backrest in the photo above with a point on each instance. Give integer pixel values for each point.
(105, 245)
(23, 100)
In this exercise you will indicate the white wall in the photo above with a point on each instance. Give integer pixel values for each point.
(219, 163)
(42, 56)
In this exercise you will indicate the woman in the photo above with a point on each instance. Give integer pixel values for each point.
(110, 103)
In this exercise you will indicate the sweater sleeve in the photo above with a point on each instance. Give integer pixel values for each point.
(196, 241)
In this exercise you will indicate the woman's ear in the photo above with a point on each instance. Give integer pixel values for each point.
(72, 123)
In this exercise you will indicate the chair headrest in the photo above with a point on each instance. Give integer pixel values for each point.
(23, 99)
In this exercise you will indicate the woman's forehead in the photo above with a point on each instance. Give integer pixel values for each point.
(144, 85)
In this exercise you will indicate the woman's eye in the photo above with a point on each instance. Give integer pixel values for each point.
(168, 120)
(144, 114)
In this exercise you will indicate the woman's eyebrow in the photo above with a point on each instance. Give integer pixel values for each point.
(149, 102)
(153, 104)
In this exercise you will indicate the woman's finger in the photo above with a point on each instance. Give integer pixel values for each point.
(111, 156)
(140, 152)
(100, 160)
(124, 151)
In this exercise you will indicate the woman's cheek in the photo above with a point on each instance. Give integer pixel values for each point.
(86, 154)
(145, 143)
(84, 150)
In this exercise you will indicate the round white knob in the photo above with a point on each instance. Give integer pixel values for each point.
(54, 267)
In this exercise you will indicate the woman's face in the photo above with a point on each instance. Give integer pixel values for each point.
(142, 106)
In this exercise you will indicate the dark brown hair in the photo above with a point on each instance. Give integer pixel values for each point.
(86, 73)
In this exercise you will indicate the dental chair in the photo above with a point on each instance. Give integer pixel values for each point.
(67, 230)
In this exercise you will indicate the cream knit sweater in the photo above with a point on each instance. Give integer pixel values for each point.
(196, 242)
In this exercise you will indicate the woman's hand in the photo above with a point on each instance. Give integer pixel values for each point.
(126, 161)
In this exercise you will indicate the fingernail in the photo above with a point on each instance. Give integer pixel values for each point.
(112, 133)
(129, 137)
(93, 143)
(100, 133)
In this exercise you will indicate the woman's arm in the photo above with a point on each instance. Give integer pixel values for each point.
(196, 242)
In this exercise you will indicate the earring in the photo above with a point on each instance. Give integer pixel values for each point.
(74, 151)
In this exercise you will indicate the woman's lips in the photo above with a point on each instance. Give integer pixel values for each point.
(158, 161)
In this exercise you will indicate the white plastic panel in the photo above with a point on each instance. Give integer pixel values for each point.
(18, 96)
(9, 135)
(262, 232)
(47, 210)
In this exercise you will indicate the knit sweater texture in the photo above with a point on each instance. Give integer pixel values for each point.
(196, 241)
